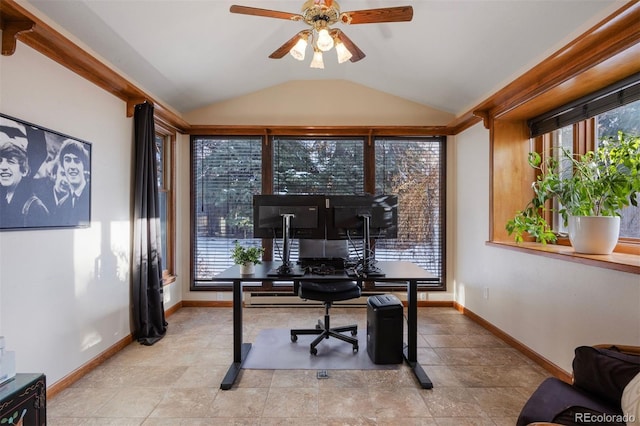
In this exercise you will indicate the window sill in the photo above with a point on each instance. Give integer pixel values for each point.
(624, 262)
(168, 279)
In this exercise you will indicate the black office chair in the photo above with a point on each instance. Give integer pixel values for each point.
(326, 292)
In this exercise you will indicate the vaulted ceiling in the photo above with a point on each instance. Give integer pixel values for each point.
(451, 56)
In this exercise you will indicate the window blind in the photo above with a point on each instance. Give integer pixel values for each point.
(226, 173)
(611, 97)
(413, 169)
(318, 166)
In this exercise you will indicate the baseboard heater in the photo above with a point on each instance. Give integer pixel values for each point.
(256, 299)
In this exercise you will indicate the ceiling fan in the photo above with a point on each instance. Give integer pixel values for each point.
(320, 15)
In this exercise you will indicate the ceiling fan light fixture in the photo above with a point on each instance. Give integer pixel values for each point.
(343, 53)
(317, 61)
(325, 41)
(320, 16)
(298, 50)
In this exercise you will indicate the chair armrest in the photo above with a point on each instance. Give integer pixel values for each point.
(628, 349)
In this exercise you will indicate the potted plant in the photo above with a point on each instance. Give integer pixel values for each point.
(246, 257)
(589, 189)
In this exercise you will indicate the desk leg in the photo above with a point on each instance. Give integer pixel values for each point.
(240, 350)
(411, 349)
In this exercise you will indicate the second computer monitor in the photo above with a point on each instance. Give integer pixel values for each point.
(346, 216)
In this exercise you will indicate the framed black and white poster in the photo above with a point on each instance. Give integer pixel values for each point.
(45, 178)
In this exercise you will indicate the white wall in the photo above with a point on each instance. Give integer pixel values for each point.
(550, 305)
(298, 103)
(65, 292)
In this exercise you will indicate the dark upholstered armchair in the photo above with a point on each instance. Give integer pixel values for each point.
(600, 375)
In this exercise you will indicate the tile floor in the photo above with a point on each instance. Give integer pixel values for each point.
(478, 379)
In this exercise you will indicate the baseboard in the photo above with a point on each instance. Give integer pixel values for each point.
(77, 374)
(207, 303)
(172, 310)
(516, 344)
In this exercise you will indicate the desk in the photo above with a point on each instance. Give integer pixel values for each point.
(394, 271)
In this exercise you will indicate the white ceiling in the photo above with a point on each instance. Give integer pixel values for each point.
(451, 56)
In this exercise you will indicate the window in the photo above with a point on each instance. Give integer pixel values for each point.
(226, 173)
(414, 170)
(627, 119)
(164, 163)
(587, 135)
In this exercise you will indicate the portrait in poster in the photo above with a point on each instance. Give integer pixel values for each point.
(45, 178)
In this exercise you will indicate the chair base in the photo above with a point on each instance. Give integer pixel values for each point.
(324, 331)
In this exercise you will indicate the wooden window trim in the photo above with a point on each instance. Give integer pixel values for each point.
(510, 190)
(626, 255)
(168, 272)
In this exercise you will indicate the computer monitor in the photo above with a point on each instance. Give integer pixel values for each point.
(287, 217)
(384, 216)
(363, 217)
(307, 218)
(346, 216)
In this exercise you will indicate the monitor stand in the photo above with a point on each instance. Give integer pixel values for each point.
(287, 269)
(368, 269)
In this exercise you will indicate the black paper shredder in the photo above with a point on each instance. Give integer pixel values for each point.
(384, 329)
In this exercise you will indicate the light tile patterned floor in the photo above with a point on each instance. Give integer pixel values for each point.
(478, 379)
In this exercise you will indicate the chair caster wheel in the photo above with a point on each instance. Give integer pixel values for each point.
(355, 349)
(294, 337)
(313, 351)
(354, 332)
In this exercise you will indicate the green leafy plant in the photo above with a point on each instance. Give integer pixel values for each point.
(242, 255)
(598, 183)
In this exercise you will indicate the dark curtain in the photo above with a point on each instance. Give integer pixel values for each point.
(148, 308)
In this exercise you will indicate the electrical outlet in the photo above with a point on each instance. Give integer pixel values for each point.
(220, 295)
(486, 293)
(422, 296)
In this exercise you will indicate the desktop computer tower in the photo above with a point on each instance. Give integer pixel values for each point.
(385, 329)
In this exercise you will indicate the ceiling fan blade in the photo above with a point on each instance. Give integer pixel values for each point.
(281, 51)
(268, 13)
(356, 53)
(370, 16)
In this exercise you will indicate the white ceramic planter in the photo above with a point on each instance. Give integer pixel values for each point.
(594, 234)
(247, 268)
